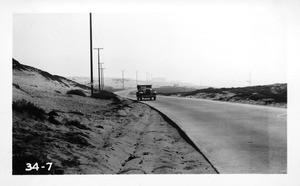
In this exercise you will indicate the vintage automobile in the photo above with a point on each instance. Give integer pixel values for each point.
(145, 91)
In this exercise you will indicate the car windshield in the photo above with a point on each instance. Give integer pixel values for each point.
(143, 87)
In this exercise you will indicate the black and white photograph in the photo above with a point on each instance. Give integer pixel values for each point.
(194, 88)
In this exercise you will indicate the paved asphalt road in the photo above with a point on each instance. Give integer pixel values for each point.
(236, 138)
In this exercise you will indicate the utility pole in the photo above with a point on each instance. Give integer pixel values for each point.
(91, 53)
(102, 77)
(123, 79)
(99, 67)
(136, 76)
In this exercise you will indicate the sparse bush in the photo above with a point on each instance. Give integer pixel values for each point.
(78, 138)
(256, 97)
(271, 93)
(51, 118)
(23, 106)
(105, 95)
(71, 162)
(111, 89)
(75, 123)
(53, 77)
(17, 65)
(76, 92)
(171, 90)
(132, 93)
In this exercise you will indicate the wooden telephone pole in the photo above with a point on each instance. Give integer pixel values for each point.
(91, 53)
(102, 77)
(99, 68)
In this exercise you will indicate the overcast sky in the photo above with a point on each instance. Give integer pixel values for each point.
(217, 45)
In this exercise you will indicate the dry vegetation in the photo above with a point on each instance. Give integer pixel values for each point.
(271, 95)
(169, 90)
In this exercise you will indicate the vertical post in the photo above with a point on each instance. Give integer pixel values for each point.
(136, 77)
(91, 53)
(99, 69)
(102, 77)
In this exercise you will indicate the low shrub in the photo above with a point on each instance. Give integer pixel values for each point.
(17, 65)
(77, 138)
(23, 106)
(105, 95)
(71, 162)
(75, 123)
(76, 92)
(171, 90)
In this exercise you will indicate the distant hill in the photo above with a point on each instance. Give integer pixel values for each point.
(272, 95)
(169, 90)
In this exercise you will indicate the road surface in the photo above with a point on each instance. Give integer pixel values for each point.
(236, 138)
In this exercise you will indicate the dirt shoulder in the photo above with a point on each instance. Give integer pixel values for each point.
(122, 138)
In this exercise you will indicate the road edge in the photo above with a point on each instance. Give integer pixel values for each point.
(180, 131)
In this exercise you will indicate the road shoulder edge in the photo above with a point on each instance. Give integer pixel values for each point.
(180, 131)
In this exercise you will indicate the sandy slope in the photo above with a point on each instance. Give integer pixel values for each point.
(109, 137)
